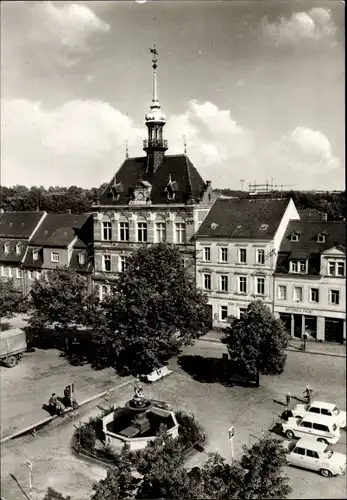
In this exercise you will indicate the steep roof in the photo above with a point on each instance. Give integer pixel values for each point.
(244, 218)
(334, 232)
(18, 224)
(58, 230)
(188, 181)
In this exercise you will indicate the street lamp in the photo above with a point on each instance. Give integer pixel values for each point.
(305, 338)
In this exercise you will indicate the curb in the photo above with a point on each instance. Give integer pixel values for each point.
(49, 419)
(293, 349)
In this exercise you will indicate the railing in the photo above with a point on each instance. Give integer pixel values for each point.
(155, 143)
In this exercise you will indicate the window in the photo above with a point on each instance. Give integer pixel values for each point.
(312, 454)
(107, 262)
(2, 271)
(18, 248)
(107, 231)
(6, 248)
(336, 268)
(142, 231)
(299, 451)
(298, 266)
(223, 313)
(314, 409)
(18, 272)
(340, 268)
(180, 232)
(10, 272)
(242, 284)
(207, 254)
(207, 281)
(260, 256)
(264, 227)
(224, 282)
(30, 275)
(223, 254)
(160, 231)
(314, 295)
(320, 427)
(297, 294)
(122, 263)
(321, 238)
(35, 255)
(124, 231)
(242, 311)
(282, 292)
(104, 290)
(335, 297)
(81, 259)
(294, 237)
(324, 411)
(307, 425)
(242, 255)
(260, 286)
(38, 275)
(54, 256)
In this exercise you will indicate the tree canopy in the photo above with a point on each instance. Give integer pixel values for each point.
(153, 310)
(62, 298)
(11, 300)
(257, 341)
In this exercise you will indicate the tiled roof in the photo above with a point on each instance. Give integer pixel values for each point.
(12, 255)
(311, 214)
(87, 265)
(335, 234)
(59, 230)
(18, 224)
(307, 247)
(186, 179)
(243, 218)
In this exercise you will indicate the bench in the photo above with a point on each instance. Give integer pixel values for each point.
(158, 374)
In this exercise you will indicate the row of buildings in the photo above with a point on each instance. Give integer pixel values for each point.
(239, 250)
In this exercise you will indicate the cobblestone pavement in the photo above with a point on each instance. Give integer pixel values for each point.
(251, 410)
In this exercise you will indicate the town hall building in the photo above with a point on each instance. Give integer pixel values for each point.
(153, 198)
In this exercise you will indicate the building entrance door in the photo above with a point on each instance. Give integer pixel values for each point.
(311, 326)
(209, 308)
(297, 326)
(334, 330)
(286, 319)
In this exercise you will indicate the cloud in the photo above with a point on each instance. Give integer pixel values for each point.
(55, 35)
(307, 151)
(83, 143)
(314, 26)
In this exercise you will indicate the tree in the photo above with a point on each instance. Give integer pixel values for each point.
(118, 484)
(154, 309)
(263, 463)
(11, 300)
(62, 299)
(257, 341)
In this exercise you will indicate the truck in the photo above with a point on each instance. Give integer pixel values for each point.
(12, 345)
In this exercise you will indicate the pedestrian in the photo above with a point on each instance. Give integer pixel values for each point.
(288, 400)
(307, 394)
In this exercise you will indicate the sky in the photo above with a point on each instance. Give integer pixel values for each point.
(257, 88)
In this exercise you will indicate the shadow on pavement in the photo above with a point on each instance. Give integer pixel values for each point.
(211, 370)
(277, 429)
(52, 494)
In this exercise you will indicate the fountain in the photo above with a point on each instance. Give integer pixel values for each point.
(138, 403)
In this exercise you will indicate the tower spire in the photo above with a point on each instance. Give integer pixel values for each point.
(155, 146)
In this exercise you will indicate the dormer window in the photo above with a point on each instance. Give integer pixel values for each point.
(81, 259)
(298, 266)
(320, 238)
(7, 248)
(264, 227)
(294, 237)
(18, 248)
(35, 255)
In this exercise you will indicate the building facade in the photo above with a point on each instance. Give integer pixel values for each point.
(236, 248)
(310, 280)
(153, 198)
(33, 243)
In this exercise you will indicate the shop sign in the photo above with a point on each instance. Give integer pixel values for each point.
(298, 310)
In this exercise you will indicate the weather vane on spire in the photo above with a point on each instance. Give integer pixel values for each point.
(155, 56)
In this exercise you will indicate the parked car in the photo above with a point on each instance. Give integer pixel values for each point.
(321, 408)
(312, 426)
(315, 456)
(12, 345)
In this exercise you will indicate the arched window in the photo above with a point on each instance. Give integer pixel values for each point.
(104, 290)
(18, 248)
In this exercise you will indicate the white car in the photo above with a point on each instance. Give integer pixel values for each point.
(312, 426)
(321, 408)
(315, 456)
